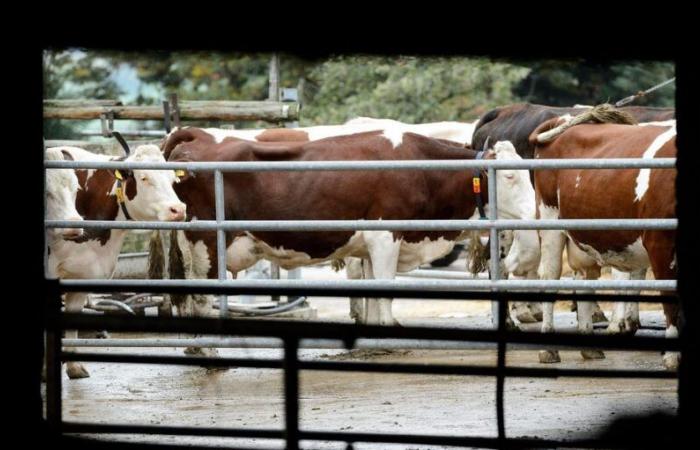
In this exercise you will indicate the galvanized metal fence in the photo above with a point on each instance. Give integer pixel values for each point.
(292, 334)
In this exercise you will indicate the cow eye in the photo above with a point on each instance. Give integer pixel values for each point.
(144, 178)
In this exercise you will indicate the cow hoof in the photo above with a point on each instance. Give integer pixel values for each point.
(202, 351)
(549, 356)
(528, 317)
(623, 327)
(76, 371)
(599, 316)
(671, 361)
(592, 354)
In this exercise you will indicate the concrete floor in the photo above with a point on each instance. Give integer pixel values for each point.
(365, 402)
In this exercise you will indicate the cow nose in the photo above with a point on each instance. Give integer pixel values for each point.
(177, 212)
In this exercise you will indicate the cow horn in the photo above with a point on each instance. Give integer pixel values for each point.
(117, 135)
(486, 144)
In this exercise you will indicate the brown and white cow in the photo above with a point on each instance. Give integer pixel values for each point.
(608, 194)
(515, 123)
(147, 195)
(328, 195)
(454, 131)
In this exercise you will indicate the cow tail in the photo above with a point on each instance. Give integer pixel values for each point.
(477, 254)
(177, 268)
(155, 257)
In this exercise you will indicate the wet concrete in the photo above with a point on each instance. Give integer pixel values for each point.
(367, 402)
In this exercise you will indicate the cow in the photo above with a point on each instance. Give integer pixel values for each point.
(353, 195)
(515, 123)
(142, 195)
(598, 194)
(452, 131)
(61, 192)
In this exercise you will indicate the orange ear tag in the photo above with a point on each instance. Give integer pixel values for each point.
(476, 183)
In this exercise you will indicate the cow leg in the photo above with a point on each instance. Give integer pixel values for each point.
(625, 318)
(353, 270)
(660, 246)
(75, 301)
(384, 256)
(586, 310)
(552, 246)
(198, 264)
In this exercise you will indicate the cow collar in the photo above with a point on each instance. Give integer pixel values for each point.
(121, 195)
(476, 187)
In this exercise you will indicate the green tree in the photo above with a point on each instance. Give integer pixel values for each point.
(565, 83)
(408, 89)
(68, 75)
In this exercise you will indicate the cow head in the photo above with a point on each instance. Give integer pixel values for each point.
(149, 194)
(515, 194)
(61, 192)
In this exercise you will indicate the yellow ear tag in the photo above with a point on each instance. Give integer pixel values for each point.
(179, 173)
(120, 194)
(118, 174)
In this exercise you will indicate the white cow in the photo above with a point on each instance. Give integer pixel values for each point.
(61, 191)
(141, 195)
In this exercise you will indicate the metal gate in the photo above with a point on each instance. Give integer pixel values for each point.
(293, 334)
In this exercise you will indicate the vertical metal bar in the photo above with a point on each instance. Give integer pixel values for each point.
(493, 239)
(46, 242)
(500, 367)
(274, 95)
(54, 407)
(291, 392)
(220, 239)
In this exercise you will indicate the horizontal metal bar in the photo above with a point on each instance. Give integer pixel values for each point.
(348, 333)
(77, 427)
(267, 343)
(449, 164)
(352, 366)
(388, 225)
(343, 436)
(452, 369)
(173, 360)
(244, 285)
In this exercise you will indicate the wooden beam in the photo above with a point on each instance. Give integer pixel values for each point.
(55, 103)
(107, 147)
(189, 110)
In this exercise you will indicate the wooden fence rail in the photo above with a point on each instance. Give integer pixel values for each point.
(269, 111)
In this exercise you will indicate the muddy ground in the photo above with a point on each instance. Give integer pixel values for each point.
(366, 402)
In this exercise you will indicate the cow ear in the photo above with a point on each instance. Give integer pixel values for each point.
(123, 174)
(182, 175)
(67, 156)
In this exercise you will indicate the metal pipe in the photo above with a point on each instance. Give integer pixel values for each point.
(388, 225)
(493, 240)
(116, 303)
(258, 311)
(275, 166)
(220, 239)
(442, 275)
(398, 285)
(266, 343)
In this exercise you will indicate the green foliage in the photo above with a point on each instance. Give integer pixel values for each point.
(408, 89)
(565, 83)
(405, 88)
(68, 75)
